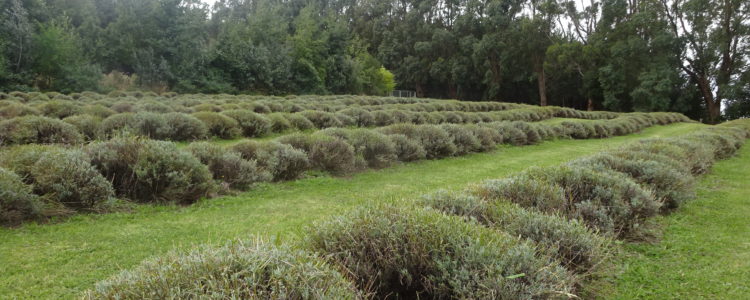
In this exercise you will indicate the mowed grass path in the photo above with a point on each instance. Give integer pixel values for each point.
(705, 250)
(61, 260)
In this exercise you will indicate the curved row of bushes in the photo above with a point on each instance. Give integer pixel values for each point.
(149, 171)
(233, 124)
(530, 236)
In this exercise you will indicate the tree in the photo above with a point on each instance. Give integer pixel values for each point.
(716, 34)
(58, 60)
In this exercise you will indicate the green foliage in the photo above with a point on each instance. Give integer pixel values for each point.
(37, 130)
(151, 171)
(219, 125)
(252, 124)
(578, 249)
(282, 161)
(242, 269)
(17, 202)
(401, 251)
(66, 177)
(227, 166)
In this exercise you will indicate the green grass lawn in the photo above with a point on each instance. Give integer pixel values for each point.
(61, 260)
(705, 249)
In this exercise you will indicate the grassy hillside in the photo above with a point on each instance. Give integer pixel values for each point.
(60, 260)
(704, 252)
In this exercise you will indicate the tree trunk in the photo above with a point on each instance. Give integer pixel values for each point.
(590, 104)
(419, 90)
(542, 84)
(713, 105)
(452, 92)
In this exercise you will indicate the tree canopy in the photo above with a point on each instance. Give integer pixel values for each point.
(689, 56)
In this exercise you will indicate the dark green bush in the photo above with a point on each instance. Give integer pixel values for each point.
(252, 124)
(151, 171)
(578, 249)
(17, 202)
(87, 125)
(219, 125)
(227, 166)
(183, 127)
(408, 252)
(67, 177)
(240, 270)
(37, 130)
(282, 161)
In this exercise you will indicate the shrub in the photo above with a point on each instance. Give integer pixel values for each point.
(406, 148)
(117, 124)
(576, 247)
(407, 252)
(607, 201)
(532, 134)
(525, 191)
(183, 127)
(252, 124)
(463, 138)
(17, 202)
(87, 125)
(360, 117)
(282, 161)
(669, 185)
(151, 171)
(67, 177)
(297, 140)
(60, 109)
(279, 122)
(382, 118)
(151, 125)
(322, 119)
(436, 142)
(331, 154)
(228, 166)
(698, 156)
(37, 130)
(18, 110)
(299, 121)
(98, 111)
(487, 137)
(376, 148)
(219, 125)
(239, 270)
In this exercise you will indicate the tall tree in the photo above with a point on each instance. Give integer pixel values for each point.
(717, 46)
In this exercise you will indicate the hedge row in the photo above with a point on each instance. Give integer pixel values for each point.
(232, 124)
(149, 171)
(526, 237)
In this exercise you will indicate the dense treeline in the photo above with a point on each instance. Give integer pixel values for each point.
(688, 56)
